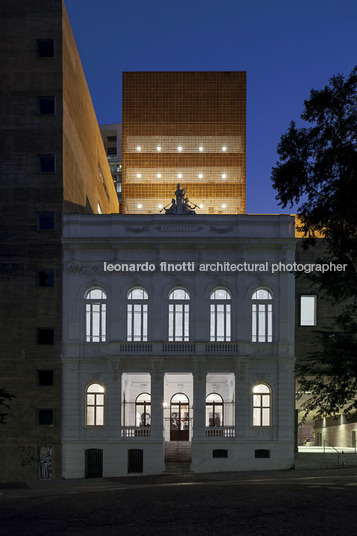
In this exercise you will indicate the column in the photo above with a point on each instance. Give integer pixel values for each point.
(157, 397)
(199, 403)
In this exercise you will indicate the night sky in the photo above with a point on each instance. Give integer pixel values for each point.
(287, 48)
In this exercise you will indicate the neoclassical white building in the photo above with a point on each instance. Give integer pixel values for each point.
(178, 345)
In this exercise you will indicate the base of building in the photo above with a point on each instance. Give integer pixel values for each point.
(84, 459)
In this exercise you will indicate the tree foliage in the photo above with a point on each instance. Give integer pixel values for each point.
(317, 170)
(5, 398)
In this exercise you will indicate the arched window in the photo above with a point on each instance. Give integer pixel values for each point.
(220, 315)
(214, 410)
(137, 315)
(143, 409)
(262, 316)
(95, 405)
(261, 405)
(179, 315)
(96, 310)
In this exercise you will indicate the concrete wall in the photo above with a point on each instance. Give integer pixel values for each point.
(23, 192)
(73, 136)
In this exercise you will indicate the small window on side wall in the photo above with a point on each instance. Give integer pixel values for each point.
(45, 417)
(308, 313)
(45, 378)
(45, 105)
(45, 221)
(45, 48)
(45, 336)
(46, 163)
(46, 278)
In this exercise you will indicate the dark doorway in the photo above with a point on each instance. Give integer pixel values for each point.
(94, 463)
(135, 461)
(179, 418)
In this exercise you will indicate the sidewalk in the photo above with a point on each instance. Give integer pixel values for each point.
(41, 488)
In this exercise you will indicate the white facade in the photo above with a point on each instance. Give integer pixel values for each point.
(153, 357)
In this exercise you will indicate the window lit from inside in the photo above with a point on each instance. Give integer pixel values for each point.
(137, 315)
(95, 405)
(96, 309)
(214, 410)
(308, 310)
(220, 315)
(179, 315)
(262, 316)
(143, 409)
(261, 405)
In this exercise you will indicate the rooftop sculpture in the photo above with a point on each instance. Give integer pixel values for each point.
(181, 204)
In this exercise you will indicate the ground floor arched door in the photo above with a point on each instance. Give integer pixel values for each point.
(179, 417)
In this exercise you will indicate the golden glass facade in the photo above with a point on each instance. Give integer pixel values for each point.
(188, 128)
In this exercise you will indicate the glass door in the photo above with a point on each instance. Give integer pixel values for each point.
(179, 418)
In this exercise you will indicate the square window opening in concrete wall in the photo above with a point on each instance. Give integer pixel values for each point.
(45, 377)
(45, 105)
(45, 417)
(45, 336)
(220, 453)
(46, 278)
(45, 221)
(46, 163)
(45, 48)
(262, 453)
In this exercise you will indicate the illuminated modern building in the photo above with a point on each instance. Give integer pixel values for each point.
(186, 127)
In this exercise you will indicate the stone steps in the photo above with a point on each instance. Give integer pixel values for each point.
(177, 467)
(178, 451)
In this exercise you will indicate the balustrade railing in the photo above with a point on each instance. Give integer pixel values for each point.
(136, 431)
(220, 431)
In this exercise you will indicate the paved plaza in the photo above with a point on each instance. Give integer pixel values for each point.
(322, 502)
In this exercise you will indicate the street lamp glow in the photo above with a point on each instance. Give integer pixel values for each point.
(224, 149)
(224, 206)
(200, 149)
(139, 206)
(179, 148)
(138, 175)
(224, 176)
(200, 175)
(159, 206)
(200, 206)
(158, 175)
(138, 148)
(179, 175)
(158, 148)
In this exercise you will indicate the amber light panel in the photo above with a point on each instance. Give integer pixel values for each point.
(190, 128)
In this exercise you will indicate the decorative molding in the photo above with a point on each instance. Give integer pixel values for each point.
(136, 228)
(157, 369)
(179, 227)
(221, 229)
(200, 369)
(115, 367)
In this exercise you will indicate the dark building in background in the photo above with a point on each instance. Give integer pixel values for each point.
(186, 127)
(52, 161)
(111, 135)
